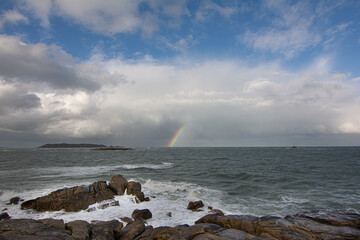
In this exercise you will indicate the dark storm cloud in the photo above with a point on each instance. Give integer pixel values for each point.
(40, 63)
(16, 100)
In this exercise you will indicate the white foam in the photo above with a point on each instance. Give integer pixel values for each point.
(170, 197)
(51, 172)
(163, 165)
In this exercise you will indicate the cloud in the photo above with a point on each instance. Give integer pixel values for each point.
(43, 64)
(49, 94)
(111, 17)
(39, 9)
(12, 16)
(208, 8)
(293, 28)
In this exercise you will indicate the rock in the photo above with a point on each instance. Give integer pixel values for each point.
(209, 236)
(217, 212)
(126, 220)
(131, 231)
(236, 235)
(310, 225)
(169, 214)
(109, 230)
(143, 214)
(4, 216)
(241, 222)
(118, 184)
(161, 233)
(194, 206)
(30, 229)
(334, 218)
(4, 209)
(54, 223)
(71, 199)
(79, 229)
(146, 234)
(133, 187)
(193, 231)
(110, 204)
(147, 199)
(15, 200)
(139, 196)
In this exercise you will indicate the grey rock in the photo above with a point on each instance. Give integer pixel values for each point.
(118, 184)
(133, 187)
(131, 231)
(79, 229)
(141, 214)
(30, 229)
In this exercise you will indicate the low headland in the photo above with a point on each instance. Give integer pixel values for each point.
(319, 224)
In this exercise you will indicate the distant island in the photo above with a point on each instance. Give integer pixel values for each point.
(70, 145)
(98, 147)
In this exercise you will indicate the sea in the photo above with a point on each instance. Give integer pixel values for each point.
(259, 181)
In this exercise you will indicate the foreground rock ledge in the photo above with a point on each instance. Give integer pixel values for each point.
(309, 225)
(81, 197)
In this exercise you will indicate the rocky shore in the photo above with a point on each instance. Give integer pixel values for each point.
(216, 225)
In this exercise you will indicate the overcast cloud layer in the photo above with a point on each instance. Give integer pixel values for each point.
(269, 93)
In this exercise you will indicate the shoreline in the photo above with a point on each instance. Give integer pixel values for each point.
(214, 225)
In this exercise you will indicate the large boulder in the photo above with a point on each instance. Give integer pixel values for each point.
(310, 225)
(54, 223)
(4, 215)
(71, 199)
(133, 187)
(194, 206)
(29, 229)
(132, 230)
(193, 231)
(141, 214)
(79, 229)
(118, 184)
(109, 230)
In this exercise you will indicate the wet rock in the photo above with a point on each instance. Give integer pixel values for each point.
(126, 220)
(118, 184)
(209, 236)
(147, 199)
(141, 214)
(194, 206)
(28, 229)
(109, 230)
(169, 214)
(15, 200)
(139, 196)
(109, 204)
(315, 225)
(131, 231)
(146, 234)
(133, 187)
(4, 209)
(79, 229)
(334, 218)
(4, 216)
(193, 231)
(217, 212)
(71, 199)
(161, 233)
(54, 223)
(236, 235)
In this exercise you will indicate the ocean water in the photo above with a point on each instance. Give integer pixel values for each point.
(257, 181)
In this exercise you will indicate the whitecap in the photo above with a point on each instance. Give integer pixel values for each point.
(163, 165)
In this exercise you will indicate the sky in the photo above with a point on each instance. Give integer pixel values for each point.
(134, 72)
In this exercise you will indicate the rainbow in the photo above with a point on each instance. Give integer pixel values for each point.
(176, 136)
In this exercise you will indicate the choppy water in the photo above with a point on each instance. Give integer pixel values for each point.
(257, 181)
